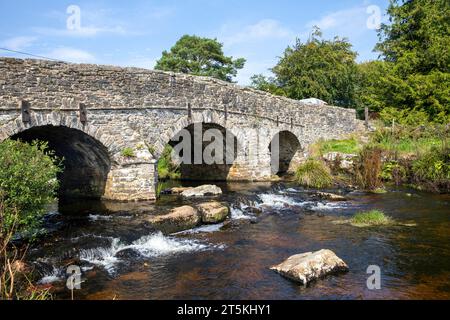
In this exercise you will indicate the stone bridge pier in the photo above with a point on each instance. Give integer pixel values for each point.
(111, 125)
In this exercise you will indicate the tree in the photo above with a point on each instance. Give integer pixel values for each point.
(323, 69)
(28, 183)
(415, 46)
(201, 57)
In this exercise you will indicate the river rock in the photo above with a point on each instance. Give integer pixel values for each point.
(306, 267)
(177, 220)
(346, 159)
(213, 212)
(331, 196)
(179, 190)
(202, 191)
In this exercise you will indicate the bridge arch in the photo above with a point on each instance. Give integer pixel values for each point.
(286, 150)
(220, 165)
(86, 161)
(94, 166)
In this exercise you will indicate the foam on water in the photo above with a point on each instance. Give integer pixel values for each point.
(238, 213)
(54, 276)
(329, 206)
(203, 229)
(96, 217)
(278, 201)
(153, 245)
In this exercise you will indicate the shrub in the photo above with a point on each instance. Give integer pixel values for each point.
(28, 183)
(15, 275)
(128, 153)
(368, 168)
(167, 169)
(431, 170)
(370, 218)
(393, 171)
(314, 174)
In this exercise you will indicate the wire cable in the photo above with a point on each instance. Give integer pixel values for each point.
(29, 54)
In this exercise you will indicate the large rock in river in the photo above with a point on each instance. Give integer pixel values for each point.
(310, 266)
(202, 191)
(213, 212)
(179, 219)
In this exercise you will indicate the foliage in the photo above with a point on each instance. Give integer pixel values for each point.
(267, 84)
(432, 170)
(200, 56)
(368, 168)
(314, 174)
(128, 153)
(404, 140)
(370, 86)
(167, 169)
(15, 276)
(415, 72)
(393, 171)
(323, 69)
(28, 183)
(370, 218)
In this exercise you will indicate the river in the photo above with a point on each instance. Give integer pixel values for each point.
(122, 257)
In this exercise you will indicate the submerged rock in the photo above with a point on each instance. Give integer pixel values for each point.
(202, 191)
(310, 266)
(213, 212)
(179, 190)
(331, 196)
(179, 219)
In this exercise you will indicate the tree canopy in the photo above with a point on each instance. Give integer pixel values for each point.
(415, 48)
(200, 56)
(323, 69)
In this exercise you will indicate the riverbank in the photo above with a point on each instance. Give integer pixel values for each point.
(412, 156)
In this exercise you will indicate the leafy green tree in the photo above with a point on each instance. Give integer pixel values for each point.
(28, 183)
(415, 45)
(201, 57)
(323, 69)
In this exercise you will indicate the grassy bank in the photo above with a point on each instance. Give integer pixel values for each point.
(418, 156)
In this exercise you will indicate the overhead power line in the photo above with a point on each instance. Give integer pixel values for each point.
(29, 54)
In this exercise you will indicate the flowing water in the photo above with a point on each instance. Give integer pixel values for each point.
(123, 257)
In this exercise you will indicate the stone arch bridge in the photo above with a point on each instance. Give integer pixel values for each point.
(90, 114)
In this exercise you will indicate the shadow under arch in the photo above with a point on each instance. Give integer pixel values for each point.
(288, 149)
(217, 171)
(86, 160)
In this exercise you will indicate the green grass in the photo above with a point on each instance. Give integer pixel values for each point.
(371, 218)
(406, 146)
(128, 153)
(347, 146)
(314, 174)
(166, 168)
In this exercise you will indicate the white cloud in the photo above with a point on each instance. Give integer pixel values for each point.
(263, 29)
(71, 55)
(18, 43)
(349, 23)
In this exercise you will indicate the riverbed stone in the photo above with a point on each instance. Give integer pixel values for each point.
(179, 190)
(310, 266)
(331, 196)
(177, 220)
(213, 212)
(202, 191)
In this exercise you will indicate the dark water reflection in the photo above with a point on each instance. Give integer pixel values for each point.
(233, 262)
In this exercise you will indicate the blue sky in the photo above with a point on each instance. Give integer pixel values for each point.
(134, 33)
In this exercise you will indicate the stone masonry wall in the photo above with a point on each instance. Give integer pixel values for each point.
(138, 108)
